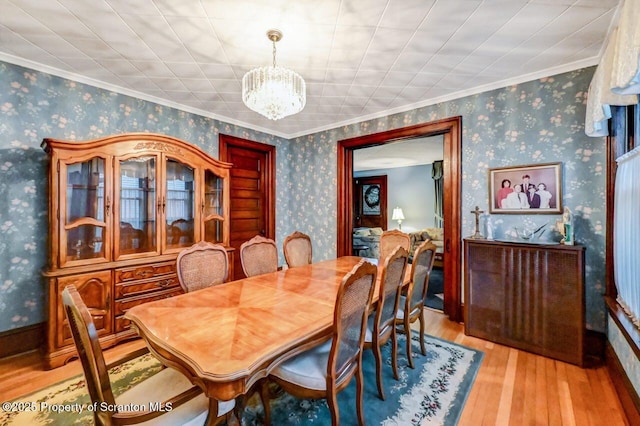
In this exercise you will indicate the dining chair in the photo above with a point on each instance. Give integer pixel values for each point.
(321, 369)
(259, 256)
(411, 307)
(168, 388)
(202, 265)
(297, 249)
(381, 327)
(389, 240)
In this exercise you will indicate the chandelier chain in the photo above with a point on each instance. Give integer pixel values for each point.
(274, 52)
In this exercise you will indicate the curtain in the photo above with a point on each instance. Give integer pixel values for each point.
(625, 75)
(438, 178)
(626, 233)
(616, 80)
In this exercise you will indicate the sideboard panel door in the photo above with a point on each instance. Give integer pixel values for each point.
(527, 296)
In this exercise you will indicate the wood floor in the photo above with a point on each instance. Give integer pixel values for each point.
(512, 387)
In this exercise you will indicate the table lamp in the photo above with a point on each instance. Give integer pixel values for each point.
(398, 215)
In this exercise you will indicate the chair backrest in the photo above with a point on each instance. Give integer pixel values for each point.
(421, 268)
(352, 306)
(297, 249)
(259, 256)
(86, 340)
(202, 265)
(389, 240)
(182, 231)
(393, 271)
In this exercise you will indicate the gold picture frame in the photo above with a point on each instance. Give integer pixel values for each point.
(546, 197)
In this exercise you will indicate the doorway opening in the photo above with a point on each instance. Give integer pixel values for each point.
(451, 131)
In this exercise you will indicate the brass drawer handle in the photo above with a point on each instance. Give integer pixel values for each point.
(144, 273)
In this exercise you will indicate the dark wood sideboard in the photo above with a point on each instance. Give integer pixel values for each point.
(527, 296)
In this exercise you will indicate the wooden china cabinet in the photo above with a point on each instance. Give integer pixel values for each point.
(120, 210)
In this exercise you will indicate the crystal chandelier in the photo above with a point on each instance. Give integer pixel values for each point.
(274, 92)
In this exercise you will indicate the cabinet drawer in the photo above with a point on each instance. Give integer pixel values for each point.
(135, 288)
(121, 306)
(144, 271)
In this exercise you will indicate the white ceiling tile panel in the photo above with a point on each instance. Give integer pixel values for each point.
(378, 61)
(91, 48)
(405, 15)
(217, 71)
(340, 76)
(359, 57)
(168, 83)
(185, 70)
(226, 86)
(361, 91)
(140, 83)
(186, 8)
(365, 13)
(396, 78)
(119, 67)
(153, 69)
(139, 7)
(367, 77)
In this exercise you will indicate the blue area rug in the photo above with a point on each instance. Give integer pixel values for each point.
(433, 393)
(435, 291)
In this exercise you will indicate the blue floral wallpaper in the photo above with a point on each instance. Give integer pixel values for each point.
(34, 106)
(535, 122)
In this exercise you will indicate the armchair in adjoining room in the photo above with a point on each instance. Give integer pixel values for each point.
(435, 235)
(369, 238)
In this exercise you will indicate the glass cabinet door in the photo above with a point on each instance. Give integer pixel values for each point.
(85, 208)
(138, 200)
(179, 205)
(212, 207)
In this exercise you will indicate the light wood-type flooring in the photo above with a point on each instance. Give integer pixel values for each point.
(512, 387)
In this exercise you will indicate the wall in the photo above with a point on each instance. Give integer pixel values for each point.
(536, 122)
(540, 121)
(35, 105)
(411, 188)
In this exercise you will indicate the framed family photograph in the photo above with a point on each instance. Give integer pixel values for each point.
(534, 189)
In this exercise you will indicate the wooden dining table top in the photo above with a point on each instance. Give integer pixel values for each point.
(225, 337)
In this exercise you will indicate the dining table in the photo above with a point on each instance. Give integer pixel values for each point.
(227, 337)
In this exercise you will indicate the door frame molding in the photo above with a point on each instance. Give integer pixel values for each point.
(451, 129)
(224, 142)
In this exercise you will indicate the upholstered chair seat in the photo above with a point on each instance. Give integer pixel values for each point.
(307, 370)
(323, 368)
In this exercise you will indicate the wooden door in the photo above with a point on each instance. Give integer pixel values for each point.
(370, 203)
(252, 192)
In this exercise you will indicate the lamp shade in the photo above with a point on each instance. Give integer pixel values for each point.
(397, 214)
